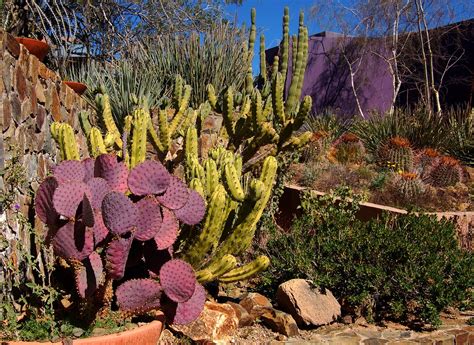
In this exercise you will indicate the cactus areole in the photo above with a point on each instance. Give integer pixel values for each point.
(97, 213)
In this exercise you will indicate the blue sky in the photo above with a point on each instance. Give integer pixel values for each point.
(269, 19)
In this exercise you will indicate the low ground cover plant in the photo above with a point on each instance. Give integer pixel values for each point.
(405, 268)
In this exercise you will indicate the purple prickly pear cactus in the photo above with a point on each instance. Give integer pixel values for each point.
(112, 224)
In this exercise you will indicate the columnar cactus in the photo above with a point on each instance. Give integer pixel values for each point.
(396, 154)
(96, 209)
(445, 172)
(230, 208)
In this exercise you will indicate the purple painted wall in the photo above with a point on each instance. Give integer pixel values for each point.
(327, 77)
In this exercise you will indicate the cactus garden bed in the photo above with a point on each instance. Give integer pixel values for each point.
(395, 175)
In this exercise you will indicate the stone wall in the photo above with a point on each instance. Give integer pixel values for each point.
(32, 96)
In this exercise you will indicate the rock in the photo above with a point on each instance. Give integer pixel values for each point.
(242, 314)
(280, 322)
(347, 319)
(306, 304)
(256, 304)
(217, 322)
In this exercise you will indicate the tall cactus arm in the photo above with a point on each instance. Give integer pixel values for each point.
(183, 106)
(191, 142)
(233, 183)
(107, 118)
(211, 96)
(212, 176)
(257, 112)
(228, 111)
(63, 133)
(263, 62)
(246, 271)
(217, 269)
(208, 238)
(85, 123)
(155, 139)
(243, 233)
(285, 43)
(139, 136)
(277, 98)
(96, 142)
(303, 112)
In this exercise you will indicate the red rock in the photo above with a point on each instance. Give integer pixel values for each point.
(55, 105)
(242, 314)
(280, 322)
(256, 304)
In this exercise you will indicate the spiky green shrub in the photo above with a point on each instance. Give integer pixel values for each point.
(406, 268)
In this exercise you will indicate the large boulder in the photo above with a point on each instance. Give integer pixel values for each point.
(217, 323)
(307, 304)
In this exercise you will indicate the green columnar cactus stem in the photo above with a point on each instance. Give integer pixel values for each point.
(293, 92)
(246, 271)
(139, 136)
(303, 112)
(285, 43)
(63, 133)
(268, 108)
(233, 183)
(208, 238)
(85, 123)
(246, 106)
(165, 135)
(127, 128)
(154, 139)
(217, 269)
(257, 188)
(228, 111)
(212, 176)
(179, 116)
(242, 234)
(294, 52)
(238, 165)
(197, 186)
(109, 140)
(211, 96)
(263, 62)
(257, 112)
(249, 82)
(277, 98)
(104, 103)
(252, 36)
(96, 142)
(275, 65)
(191, 142)
(177, 91)
(305, 59)
(298, 142)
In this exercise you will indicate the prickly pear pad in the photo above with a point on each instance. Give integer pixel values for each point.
(149, 219)
(99, 229)
(88, 164)
(99, 189)
(149, 177)
(73, 240)
(193, 211)
(176, 195)
(44, 206)
(90, 275)
(117, 255)
(115, 173)
(86, 212)
(68, 171)
(186, 312)
(168, 232)
(139, 295)
(178, 280)
(119, 213)
(68, 196)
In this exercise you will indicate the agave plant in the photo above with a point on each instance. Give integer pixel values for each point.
(105, 220)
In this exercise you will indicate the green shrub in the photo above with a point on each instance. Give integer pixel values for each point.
(404, 268)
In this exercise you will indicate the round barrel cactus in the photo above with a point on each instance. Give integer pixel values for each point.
(395, 154)
(348, 148)
(445, 172)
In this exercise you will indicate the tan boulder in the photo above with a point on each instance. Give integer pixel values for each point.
(280, 322)
(307, 304)
(256, 304)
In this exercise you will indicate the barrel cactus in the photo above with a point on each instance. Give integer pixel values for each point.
(407, 185)
(96, 210)
(445, 172)
(396, 154)
(348, 149)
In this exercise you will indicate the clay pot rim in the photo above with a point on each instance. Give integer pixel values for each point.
(77, 86)
(113, 338)
(35, 47)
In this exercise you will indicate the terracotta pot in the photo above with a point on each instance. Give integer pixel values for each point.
(148, 334)
(35, 47)
(79, 88)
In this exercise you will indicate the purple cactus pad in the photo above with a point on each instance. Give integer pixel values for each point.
(139, 295)
(119, 213)
(176, 195)
(71, 170)
(44, 206)
(149, 219)
(88, 164)
(116, 256)
(73, 241)
(99, 189)
(178, 280)
(115, 173)
(190, 310)
(193, 211)
(168, 232)
(149, 177)
(99, 229)
(90, 275)
(68, 196)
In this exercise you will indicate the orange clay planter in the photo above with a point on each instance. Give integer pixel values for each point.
(35, 47)
(148, 334)
(78, 88)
